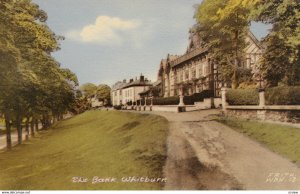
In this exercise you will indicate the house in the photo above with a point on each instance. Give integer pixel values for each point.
(128, 92)
(194, 72)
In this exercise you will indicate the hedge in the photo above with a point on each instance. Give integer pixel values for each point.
(117, 107)
(174, 100)
(242, 97)
(197, 97)
(283, 95)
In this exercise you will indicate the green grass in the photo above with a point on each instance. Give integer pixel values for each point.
(96, 143)
(2, 131)
(281, 139)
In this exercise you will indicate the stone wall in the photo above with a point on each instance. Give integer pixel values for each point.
(290, 116)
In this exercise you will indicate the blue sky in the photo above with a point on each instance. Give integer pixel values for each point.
(111, 40)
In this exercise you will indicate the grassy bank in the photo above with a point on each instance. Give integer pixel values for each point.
(96, 143)
(2, 124)
(281, 139)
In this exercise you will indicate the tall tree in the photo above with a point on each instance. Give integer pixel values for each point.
(89, 90)
(281, 63)
(103, 93)
(223, 25)
(33, 86)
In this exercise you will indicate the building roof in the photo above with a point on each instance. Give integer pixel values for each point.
(138, 83)
(118, 85)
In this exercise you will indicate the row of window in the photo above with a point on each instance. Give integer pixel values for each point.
(185, 75)
(128, 93)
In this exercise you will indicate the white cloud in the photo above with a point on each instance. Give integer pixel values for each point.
(106, 30)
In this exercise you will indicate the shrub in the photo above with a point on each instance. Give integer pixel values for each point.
(174, 100)
(197, 97)
(148, 102)
(117, 107)
(242, 97)
(283, 95)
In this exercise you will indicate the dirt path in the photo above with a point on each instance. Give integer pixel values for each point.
(204, 154)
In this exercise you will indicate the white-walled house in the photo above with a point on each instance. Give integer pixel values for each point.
(124, 92)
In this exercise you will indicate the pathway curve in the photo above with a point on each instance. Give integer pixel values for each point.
(204, 154)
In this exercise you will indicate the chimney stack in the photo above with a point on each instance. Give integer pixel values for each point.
(142, 78)
(124, 81)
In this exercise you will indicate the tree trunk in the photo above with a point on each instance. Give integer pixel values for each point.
(234, 83)
(19, 129)
(36, 124)
(27, 128)
(234, 76)
(8, 132)
(32, 127)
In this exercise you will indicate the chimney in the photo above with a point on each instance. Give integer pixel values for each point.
(124, 81)
(131, 80)
(142, 78)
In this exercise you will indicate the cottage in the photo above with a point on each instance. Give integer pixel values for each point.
(128, 92)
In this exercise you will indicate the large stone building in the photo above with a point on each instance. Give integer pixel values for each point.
(125, 92)
(194, 72)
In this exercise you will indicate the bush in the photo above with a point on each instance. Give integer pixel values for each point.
(242, 97)
(199, 97)
(283, 95)
(129, 103)
(117, 107)
(148, 102)
(174, 100)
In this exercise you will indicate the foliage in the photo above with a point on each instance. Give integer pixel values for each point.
(281, 61)
(197, 97)
(99, 143)
(283, 95)
(174, 100)
(278, 65)
(33, 86)
(242, 97)
(223, 26)
(117, 107)
(89, 90)
(103, 92)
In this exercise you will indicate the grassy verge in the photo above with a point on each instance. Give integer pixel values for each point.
(96, 143)
(2, 124)
(281, 139)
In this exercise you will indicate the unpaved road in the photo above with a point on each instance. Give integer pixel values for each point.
(204, 154)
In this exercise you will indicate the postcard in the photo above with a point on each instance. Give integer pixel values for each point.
(123, 95)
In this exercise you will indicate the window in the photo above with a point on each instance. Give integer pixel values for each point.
(193, 73)
(187, 74)
(200, 70)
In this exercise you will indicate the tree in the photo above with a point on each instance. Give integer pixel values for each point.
(33, 86)
(280, 63)
(223, 26)
(89, 90)
(103, 93)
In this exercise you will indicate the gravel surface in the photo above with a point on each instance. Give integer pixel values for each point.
(205, 154)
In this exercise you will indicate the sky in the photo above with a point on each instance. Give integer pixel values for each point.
(110, 40)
